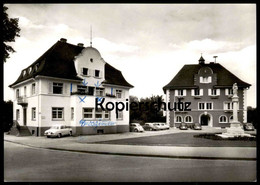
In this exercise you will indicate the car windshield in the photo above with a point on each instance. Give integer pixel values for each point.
(137, 124)
(249, 124)
(55, 127)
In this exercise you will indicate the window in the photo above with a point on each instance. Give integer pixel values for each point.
(24, 90)
(180, 92)
(88, 113)
(91, 59)
(229, 91)
(57, 88)
(82, 89)
(205, 106)
(24, 72)
(230, 119)
(99, 91)
(119, 93)
(17, 114)
(85, 71)
(33, 113)
(223, 119)
(209, 106)
(72, 113)
(120, 115)
(107, 114)
(188, 119)
(178, 119)
(205, 79)
(201, 106)
(91, 90)
(97, 73)
(228, 106)
(214, 92)
(98, 113)
(33, 88)
(17, 93)
(196, 92)
(57, 113)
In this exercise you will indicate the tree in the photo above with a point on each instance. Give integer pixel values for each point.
(252, 115)
(7, 116)
(10, 31)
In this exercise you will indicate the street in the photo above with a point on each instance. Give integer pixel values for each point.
(22, 163)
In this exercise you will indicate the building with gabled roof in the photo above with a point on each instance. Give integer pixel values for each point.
(208, 86)
(62, 85)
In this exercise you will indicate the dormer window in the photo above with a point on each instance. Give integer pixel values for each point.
(206, 79)
(24, 72)
(85, 71)
(97, 73)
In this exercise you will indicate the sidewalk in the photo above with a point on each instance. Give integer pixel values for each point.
(75, 144)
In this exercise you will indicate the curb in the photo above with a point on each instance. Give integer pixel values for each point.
(137, 155)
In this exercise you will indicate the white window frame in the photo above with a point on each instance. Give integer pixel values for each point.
(57, 84)
(205, 105)
(188, 116)
(82, 71)
(24, 91)
(230, 118)
(100, 91)
(226, 119)
(99, 112)
(205, 80)
(99, 73)
(178, 119)
(120, 115)
(33, 113)
(225, 105)
(57, 110)
(33, 88)
(17, 94)
(119, 92)
(88, 113)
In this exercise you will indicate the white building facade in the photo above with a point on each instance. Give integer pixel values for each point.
(69, 85)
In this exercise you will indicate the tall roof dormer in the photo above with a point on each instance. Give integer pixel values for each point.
(201, 60)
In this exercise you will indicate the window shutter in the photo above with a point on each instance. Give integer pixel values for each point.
(209, 92)
(176, 92)
(218, 92)
(201, 92)
(209, 79)
(201, 79)
(89, 72)
(184, 92)
(50, 88)
(81, 70)
(226, 91)
(100, 74)
(36, 88)
(65, 88)
(192, 92)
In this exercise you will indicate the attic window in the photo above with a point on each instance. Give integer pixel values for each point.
(24, 72)
(36, 67)
(91, 59)
(30, 70)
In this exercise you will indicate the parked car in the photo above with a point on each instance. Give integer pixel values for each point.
(136, 127)
(183, 126)
(163, 126)
(58, 131)
(196, 126)
(151, 126)
(248, 126)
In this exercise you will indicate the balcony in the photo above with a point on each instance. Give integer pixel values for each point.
(22, 100)
(214, 96)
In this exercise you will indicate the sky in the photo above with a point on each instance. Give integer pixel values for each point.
(149, 43)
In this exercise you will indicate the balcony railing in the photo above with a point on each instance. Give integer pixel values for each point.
(22, 100)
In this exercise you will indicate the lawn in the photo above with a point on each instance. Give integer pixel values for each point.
(181, 139)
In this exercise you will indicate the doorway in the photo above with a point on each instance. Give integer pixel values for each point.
(204, 120)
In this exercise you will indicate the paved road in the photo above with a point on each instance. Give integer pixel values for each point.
(23, 163)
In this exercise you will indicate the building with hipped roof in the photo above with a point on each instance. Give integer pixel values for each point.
(208, 86)
(62, 86)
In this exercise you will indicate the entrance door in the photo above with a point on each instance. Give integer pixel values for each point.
(24, 116)
(204, 120)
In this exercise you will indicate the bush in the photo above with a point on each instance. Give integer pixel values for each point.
(215, 137)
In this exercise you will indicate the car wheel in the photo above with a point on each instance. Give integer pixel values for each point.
(150, 129)
(48, 136)
(135, 130)
(59, 135)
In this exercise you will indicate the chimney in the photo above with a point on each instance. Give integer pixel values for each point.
(63, 40)
(80, 44)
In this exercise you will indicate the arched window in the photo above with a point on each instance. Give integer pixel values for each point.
(223, 119)
(188, 119)
(178, 119)
(230, 119)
